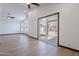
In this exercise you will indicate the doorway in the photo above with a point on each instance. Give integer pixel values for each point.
(48, 29)
(24, 27)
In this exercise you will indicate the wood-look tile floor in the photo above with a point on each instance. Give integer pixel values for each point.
(22, 45)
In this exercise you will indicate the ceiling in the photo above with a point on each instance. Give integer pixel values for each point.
(17, 10)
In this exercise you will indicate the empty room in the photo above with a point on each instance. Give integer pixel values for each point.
(39, 29)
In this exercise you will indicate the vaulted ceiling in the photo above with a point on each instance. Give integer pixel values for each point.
(15, 11)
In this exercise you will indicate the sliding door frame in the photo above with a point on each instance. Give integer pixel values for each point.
(57, 13)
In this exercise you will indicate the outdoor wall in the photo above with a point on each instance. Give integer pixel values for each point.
(68, 21)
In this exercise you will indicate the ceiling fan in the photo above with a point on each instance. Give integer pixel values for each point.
(29, 5)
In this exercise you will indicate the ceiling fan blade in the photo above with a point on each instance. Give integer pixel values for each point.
(35, 4)
(29, 6)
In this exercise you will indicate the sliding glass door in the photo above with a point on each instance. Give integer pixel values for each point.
(43, 29)
(48, 29)
(52, 32)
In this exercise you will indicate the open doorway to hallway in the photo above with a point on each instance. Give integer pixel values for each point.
(48, 29)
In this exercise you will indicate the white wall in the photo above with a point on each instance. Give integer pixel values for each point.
(32, 25)
(69, 22)
(9, 27)
(16, 10)
(0, 11)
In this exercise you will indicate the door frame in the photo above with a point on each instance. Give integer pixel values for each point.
(44, 17)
